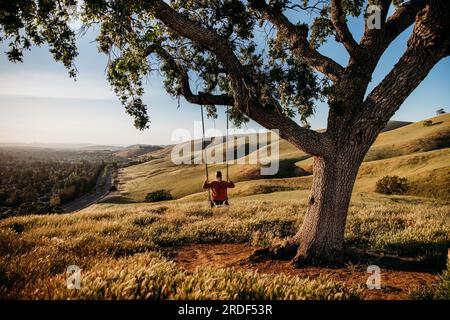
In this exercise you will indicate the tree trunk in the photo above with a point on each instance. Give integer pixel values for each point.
(320, 239)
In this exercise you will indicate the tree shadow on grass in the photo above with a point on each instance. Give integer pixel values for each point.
(418, 256)
(289, 169)
(117, 200)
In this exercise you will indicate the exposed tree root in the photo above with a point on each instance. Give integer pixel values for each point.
(300, 260)
(290, 250)
(284, 251)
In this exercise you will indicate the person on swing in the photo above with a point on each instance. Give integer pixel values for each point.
(218, 188)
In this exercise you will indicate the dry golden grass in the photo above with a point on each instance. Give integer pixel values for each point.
(405, 151)
(125, 250)
(427, 173)
(151, 276)
(412, 138)
(409, 139)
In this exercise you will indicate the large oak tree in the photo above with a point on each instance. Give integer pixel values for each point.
(262, 59)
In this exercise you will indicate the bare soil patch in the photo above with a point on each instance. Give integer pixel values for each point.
(395, 283)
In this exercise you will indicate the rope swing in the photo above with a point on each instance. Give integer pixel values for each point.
(204, 152)
(204, 149)
(226, 143)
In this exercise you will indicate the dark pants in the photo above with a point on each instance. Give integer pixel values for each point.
(219, 202)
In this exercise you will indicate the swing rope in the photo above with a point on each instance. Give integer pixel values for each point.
(226, 153)
(204, 150)
(204, 153)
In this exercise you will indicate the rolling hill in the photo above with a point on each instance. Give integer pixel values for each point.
(412, 150)
(129, 249)
(136, 150)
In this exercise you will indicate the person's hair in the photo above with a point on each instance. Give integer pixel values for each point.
(218, 174)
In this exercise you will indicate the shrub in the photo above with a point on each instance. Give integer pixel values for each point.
(427, 123)
(159, 195)
(392, 185)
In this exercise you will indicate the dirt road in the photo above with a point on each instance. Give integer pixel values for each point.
(102, 187)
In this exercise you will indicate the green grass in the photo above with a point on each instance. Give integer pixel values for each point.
(427, 173)
(182, 180)
(405, 140)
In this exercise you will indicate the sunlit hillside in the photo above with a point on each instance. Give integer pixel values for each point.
(408, 150)
(183, 249)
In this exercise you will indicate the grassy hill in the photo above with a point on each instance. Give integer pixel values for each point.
(140, 250)
(407, 139)
(393, 124)
(136, 150)
(407, 150)
(412, 138)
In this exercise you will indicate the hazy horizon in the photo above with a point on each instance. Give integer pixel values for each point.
(40, 104)
(84, 143)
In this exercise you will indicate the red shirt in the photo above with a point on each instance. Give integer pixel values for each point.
(218, 189)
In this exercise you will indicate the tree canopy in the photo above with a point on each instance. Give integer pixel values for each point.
(261, 57)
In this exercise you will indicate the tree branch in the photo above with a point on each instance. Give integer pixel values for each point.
(201, 98)
(297, 36)
(429, 43)
(310, 141)
(376, 41)
(343, 34)
(385, 5)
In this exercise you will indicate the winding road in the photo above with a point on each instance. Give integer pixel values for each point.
(102, 187)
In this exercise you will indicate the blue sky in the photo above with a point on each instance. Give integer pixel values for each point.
(39, 103)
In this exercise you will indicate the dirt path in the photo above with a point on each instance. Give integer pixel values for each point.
(395, 284)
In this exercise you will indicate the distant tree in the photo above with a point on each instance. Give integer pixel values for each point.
(392, 185)
(269, 76)
(159, 195)
(440, 111)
